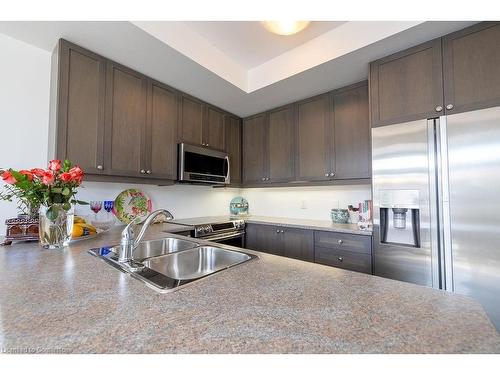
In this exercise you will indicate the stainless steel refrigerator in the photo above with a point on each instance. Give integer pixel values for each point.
(436, 199)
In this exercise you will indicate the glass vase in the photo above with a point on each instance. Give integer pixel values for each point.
(55, 226)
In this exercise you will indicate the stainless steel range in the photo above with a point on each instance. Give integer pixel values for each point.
(220, 229)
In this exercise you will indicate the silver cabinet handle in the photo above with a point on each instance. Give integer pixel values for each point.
(439, 108)
(263, 179)
(327, 174)
(332, 174)
(148, 172)
(340, 242)
(100, 167)
(340, 259)
(207, 145)
(282, 231)
(277, 230)
(449, 106)
(143, 171)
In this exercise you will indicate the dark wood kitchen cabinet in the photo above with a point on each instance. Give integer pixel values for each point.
(191, 121)
(351, 121)
(471, 65)
(80, 107)
(201, 124)
(233, 147)
(281, 147)
(255, 145)
(407, 85)
(278, 240)
(264, 238)
(214, 129)
(314, 139)
(126, 116)
(161, 136)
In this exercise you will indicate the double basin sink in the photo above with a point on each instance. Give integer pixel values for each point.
(168, 263)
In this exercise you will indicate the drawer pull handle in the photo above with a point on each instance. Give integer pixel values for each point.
(340, 242)
(340, 259)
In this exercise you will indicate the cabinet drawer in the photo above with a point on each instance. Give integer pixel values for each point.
(346, 242)
(343, 259)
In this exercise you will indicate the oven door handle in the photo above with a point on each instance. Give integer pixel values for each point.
(223, 236)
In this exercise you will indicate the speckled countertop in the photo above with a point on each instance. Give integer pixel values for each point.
(326, 225)
(69, 301)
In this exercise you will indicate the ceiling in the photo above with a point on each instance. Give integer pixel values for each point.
(249, 44)
(215, 61)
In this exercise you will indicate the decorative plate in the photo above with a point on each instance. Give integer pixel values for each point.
(238, 206)
(130, 205)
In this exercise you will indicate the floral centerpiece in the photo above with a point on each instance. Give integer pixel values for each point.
(50, 192)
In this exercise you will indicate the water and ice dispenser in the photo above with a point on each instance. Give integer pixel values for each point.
(400, 217)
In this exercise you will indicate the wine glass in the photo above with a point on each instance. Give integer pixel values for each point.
(95, 206)
(108, 206)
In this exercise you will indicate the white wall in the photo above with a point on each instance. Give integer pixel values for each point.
(24, 110)
(304, 202)
(24, 117)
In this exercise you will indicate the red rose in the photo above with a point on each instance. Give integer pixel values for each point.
(39, 172)
(48, 178)
(76, 174)
(54, 165)
(28, 174)
(66, 177)
(8, 178)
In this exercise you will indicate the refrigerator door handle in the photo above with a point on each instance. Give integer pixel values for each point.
(444, 205)
(434, 217)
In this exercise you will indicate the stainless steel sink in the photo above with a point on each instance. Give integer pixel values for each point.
(169, 263)
(195, 263)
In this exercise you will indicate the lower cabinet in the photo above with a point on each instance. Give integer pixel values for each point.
(278, 240)
(348, 251)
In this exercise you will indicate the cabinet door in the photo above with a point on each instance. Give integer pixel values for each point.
(352, 133)
(281, 144)
(472, 68)
(408, 85)
(213, 129)
(161, 144)
(126, 110)
(298, 244)
(313, 161)
(264, 238)
(254, 149)
(191, 121)
(233, 147)
(80, 123)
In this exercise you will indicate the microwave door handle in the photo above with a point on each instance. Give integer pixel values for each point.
(228, 167)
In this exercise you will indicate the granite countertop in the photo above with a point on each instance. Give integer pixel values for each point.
(325, 225)
(68, 301)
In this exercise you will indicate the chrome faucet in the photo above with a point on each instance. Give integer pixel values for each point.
(128, 242)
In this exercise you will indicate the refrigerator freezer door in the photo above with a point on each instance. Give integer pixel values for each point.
(474, 199)
(401, 162)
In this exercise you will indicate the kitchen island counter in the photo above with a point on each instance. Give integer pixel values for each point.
(67, 301)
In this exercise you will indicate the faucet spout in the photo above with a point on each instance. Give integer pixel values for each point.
(128, 243)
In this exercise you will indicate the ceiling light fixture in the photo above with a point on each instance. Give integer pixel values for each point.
(285, 27)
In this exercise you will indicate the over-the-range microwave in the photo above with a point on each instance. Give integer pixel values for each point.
(202, 165)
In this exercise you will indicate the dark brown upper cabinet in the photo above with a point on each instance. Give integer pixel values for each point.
(471, 64)
(281, 144)
(161, 136)
(213, 129)
(80, 107)
(407, 85)
(255, 144)
(233, 147)
(126, 115)
(191, 121)
(352, 132)
(201, 124)
(314, 151)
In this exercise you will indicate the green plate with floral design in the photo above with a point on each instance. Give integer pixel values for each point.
(132, 205)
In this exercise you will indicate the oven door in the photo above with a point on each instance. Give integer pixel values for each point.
(202, 165)
(229, 238)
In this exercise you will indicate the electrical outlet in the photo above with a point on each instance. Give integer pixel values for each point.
(303, 204)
